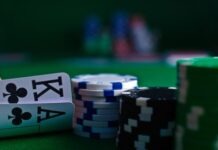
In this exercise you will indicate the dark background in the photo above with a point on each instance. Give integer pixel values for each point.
(53, 28)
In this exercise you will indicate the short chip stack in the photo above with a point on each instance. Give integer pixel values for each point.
(197, 108)
(147, 119)
(97, 101)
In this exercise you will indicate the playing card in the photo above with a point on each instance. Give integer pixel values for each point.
(20, 119)
(36, 89)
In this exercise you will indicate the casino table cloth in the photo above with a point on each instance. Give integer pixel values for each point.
(148, 74)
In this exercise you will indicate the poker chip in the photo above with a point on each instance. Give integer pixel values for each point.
(120, 32)
(97, 103)
(104, 82)
(102, 130)
(96, 123)
(111, 117)
(90, 104)
(99, 93)
(92, 98)
(92, 30)
(147, 118)
(94, 135)
(143, 39)
(120, 25)
(105, 43)
(96, 111)
(197, 104)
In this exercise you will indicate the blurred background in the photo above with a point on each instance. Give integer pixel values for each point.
(130, 30)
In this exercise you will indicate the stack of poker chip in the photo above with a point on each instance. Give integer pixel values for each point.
(120, 29)
(147, 119)
(92, 31)
(142, 38)
(197, 107)
(97, 101)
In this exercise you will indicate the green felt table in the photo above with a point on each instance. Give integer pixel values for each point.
(148, 74)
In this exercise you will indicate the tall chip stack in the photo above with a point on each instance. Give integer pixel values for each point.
(97, 101)
(120, 29)
(92, 31)
(143, 39)
(147, 119)
(197, 108)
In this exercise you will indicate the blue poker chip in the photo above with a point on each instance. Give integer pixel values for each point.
(105, 82)
(97, 111)
(96, 99)
(111, 117)
(95, 135)
(96, 123)
(120, 26)
(102, 130)
(92, 26)
(90, 104)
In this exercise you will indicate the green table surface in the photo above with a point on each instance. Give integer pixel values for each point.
(148, 75)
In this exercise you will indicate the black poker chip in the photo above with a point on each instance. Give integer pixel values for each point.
(155, 93)
(147, 119)
(129, 141)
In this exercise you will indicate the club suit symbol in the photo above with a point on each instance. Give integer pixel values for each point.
(19, 116)
(14, 93)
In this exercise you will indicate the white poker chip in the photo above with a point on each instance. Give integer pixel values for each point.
(96, 99)
(95, 129)
(111, 117)
(94, 135)
(105, 82)
(90, 104)
(96, 111)
(99, 93)
(95, 123)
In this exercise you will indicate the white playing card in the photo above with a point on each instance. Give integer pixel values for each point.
(20, 119)
(36, 89)
(55, 117)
